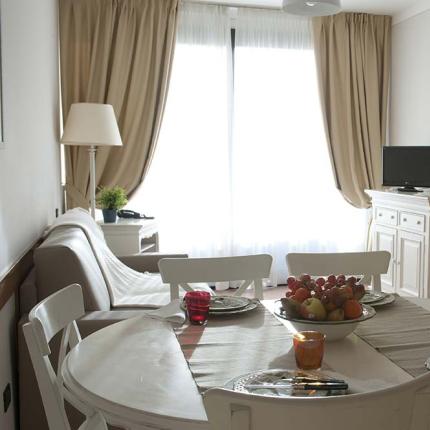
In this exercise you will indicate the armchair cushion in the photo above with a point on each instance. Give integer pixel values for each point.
(66, 257)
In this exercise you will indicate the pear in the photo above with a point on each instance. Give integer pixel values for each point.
(336, 315)
(291, 307)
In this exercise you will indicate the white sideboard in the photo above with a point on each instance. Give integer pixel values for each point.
(131, 236)
(401, 225)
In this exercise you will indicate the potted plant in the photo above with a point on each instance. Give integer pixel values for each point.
(110, 200)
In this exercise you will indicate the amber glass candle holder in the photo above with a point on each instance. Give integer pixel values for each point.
(309, 349)
(198, 306)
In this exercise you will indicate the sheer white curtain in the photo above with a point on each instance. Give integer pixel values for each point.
(188, 184)
(246, 171)
(281, 163)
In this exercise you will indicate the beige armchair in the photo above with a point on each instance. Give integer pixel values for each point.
(64, 258)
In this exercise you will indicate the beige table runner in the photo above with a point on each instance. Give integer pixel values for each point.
(401, 332)
(228, 347)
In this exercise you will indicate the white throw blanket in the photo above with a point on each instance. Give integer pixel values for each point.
(127, 287)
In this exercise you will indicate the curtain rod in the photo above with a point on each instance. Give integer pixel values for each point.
(232, 4)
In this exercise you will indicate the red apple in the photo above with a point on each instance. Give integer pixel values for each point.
(302, 294)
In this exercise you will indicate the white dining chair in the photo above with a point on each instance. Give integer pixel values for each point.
(368, 265)
(54, 314)
(250, 269)
(402, 407)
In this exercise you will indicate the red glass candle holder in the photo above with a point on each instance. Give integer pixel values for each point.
(309, 349)
(198, 306)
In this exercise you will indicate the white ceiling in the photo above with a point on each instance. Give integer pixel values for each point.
(389, 7)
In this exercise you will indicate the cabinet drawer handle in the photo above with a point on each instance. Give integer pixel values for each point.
(418, 222)
(404, 219)
(379, 214)
(392, 216)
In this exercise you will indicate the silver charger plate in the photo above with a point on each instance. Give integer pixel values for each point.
(251, 306)
(368, 312)
(275, 377)
(228, 303)
(232, 306)
(371, 297)
(389, 298)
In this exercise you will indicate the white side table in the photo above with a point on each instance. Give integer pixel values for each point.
(131, 236)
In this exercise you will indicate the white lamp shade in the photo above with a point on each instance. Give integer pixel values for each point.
(312, 8)
(91, 124)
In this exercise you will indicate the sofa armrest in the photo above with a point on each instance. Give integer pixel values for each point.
(147, 262)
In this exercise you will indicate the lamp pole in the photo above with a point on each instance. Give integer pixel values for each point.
(92, 153)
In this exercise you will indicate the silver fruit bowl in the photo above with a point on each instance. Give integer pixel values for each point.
(334, 330)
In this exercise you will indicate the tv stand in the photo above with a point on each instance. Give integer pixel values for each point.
(409, 189)
(401, 226)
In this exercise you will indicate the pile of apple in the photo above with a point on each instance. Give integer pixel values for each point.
(333, 299)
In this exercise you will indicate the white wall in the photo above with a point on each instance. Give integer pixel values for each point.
(410, 85)
(29, 159)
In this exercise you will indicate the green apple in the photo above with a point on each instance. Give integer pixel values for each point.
(313, 309)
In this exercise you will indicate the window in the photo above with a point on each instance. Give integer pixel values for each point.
(242, 164)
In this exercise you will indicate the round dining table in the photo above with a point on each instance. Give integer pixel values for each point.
(135, 373)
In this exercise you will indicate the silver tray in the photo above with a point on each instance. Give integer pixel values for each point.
(275, 377)
(368, 312)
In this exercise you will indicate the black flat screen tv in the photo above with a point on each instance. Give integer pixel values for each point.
(407, 167)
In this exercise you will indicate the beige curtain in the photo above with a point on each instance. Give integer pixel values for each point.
(117, 52)
(353, 60)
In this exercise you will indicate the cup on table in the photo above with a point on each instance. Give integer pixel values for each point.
(309, 349)
(197, 306)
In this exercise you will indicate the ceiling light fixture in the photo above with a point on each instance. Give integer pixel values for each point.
(311, 8)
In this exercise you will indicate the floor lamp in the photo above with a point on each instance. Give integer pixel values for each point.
(91, 124)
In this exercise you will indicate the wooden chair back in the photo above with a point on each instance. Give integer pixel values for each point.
(54, 314)
(369, 265)
(403, 407)
(181, 272)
